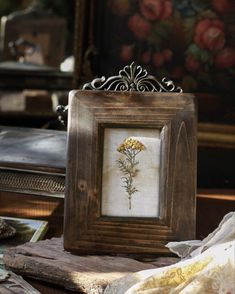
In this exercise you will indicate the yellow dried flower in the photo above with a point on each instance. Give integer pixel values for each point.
(129, 148)
(132, 144)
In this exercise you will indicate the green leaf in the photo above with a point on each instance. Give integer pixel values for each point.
(193, 50)
(200, 54)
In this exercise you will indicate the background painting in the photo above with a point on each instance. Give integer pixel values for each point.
(144, 201)
(190, 41)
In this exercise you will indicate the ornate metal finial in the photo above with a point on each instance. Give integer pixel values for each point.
(132, 78)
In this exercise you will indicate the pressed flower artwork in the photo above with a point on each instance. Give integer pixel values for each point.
(128, 165)
(130, 177)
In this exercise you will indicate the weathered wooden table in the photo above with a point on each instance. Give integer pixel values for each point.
(47, 261)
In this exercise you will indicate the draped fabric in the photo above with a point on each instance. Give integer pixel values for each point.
(208, 267)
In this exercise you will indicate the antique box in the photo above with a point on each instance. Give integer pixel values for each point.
(32, 175)
(32, 161)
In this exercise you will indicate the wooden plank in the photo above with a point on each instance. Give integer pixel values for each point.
(47, 288)
(47, 261)
(16, 284)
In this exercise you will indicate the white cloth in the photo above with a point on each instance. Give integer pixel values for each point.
(223, 233)
(210, 268)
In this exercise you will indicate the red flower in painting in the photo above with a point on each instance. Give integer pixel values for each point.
(192, 64)
(126, 52)
(224, 6)
(225, 58)
(156, 9)
(139, 26)
(209, 34)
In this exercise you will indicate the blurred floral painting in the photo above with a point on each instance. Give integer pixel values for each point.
(189, 41)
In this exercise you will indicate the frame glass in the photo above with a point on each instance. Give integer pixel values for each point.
(131, 163)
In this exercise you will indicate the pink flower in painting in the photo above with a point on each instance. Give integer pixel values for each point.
(119, 7)
(225, 58)
(126, 52)
(224, 6)
(139, 26)
(192, 64)
(156, 9)
(158, 59)
(209, 34)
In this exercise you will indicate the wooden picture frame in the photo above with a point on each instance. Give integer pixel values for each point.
(96, 119)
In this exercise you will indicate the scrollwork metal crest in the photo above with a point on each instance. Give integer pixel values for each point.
(132, 78)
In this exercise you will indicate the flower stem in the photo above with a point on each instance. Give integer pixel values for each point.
(129, 198)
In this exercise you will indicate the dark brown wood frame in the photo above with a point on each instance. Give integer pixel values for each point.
(90, 112)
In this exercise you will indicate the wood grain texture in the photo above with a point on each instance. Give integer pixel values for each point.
(47, 261)
(16, 285)
(48, 288)
(90, 112)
